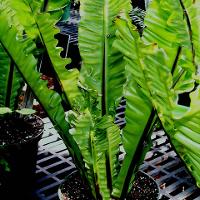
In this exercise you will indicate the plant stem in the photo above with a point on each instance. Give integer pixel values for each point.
(178, 78)
(44, 7)
(103, 102)
(176, 59)
(9, 86)
(190, 32)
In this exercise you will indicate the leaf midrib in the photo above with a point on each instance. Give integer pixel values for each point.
(105, 60)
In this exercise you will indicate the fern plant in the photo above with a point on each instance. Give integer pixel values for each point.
(149, 71)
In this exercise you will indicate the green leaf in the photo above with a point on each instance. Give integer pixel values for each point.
(82, 131)
(100, 144)
(114, 142)
(67, 78)
(186, 135)
(57, 8)
(24, 16)
(57, 5)
(137, 102)
(181, 124)
(44, 26)
(103, 68)
(106, 126)
(151, 70)
(166, 27)
(164, 22)
(182, 128)
(66, 14)
(26, 111)
(5, 110)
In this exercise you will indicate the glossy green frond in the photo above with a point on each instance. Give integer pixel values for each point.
(173, 26)
(153, 76)
(56, 5)
(27, 10)
(100, 160)
(180, 123)
(138, 110)
(100, 146)
(103, 67)
(138, 105)
(165, 25)
(67, 78)
(7, 5)
(24, 15)
(43, 25)
(186, 135)
(112, 131)
(185, 83)
(82, 131)
(114, 140)
(182, 130)
(57, 8)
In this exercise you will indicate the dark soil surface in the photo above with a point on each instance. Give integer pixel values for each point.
(144, 188)
(19, 130)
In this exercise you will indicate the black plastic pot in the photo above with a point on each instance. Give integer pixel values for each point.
(17, 168)
(138, 189)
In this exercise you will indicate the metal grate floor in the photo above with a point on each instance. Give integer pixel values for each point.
(161, 163)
